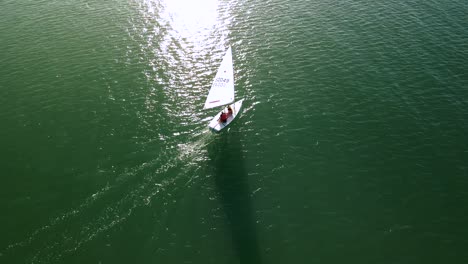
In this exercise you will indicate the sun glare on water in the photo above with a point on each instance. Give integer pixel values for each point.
(191, 19)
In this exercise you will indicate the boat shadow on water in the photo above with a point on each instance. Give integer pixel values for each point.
(227, 164)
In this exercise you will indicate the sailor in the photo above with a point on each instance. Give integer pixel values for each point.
(229, 110)
(223, 118)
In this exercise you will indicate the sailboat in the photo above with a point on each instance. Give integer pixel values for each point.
(222, 94)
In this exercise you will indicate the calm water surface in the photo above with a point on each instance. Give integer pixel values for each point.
(351, 147)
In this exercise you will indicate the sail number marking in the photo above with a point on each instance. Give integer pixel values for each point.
(221, 82)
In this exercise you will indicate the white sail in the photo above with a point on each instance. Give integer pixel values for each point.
(222, 89)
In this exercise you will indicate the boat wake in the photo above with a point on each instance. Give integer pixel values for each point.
(148, 185)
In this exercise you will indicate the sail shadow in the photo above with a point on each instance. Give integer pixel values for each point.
(227, 164)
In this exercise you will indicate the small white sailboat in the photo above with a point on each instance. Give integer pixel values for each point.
(222, 94)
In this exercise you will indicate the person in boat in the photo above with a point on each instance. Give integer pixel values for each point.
(229, 110)
(223, 118)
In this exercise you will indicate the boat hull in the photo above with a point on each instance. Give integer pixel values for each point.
(217, 126)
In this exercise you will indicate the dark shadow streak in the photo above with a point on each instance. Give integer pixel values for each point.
(227, 163)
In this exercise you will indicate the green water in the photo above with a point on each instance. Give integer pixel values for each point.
(352, 145)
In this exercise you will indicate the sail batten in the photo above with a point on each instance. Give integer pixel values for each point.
(222, 88)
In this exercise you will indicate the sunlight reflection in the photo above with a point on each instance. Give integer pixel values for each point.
(190, 19)
(181, 41)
